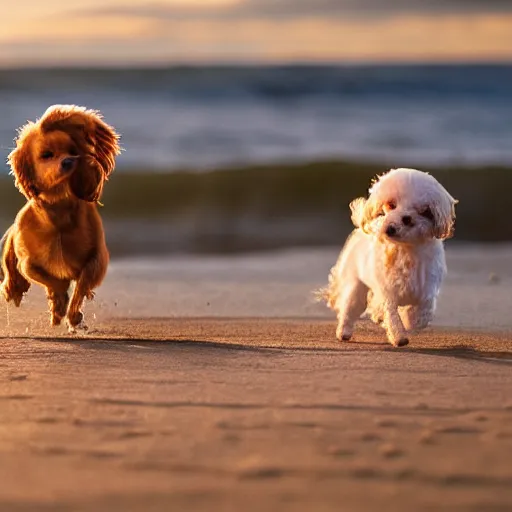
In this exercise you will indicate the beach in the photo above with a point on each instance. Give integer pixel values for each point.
(214, 382)
(209, 378)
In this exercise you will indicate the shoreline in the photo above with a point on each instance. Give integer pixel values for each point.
(275, 284)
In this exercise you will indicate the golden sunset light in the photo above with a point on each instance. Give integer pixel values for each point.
(138, 32)
(255, 255)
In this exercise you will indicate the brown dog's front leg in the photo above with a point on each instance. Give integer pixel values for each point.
(92, 275)
(56, 290)
(14, 285)
(58, 300)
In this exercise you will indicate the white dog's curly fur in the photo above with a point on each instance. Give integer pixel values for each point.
(393, 263)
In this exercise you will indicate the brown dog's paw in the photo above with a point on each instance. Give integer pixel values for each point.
(75, 318)
(12, 294)
(58, 306)
(55, 320)
(56, 317)
(76, 324)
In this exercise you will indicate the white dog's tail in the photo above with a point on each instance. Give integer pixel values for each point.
(321, 294)
(327, 294)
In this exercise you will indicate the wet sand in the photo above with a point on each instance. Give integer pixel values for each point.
(216, 384)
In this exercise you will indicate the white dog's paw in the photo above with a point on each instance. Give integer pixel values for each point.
(401, 342)
(343, 334)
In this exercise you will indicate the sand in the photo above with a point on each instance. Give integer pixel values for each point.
(216, 384)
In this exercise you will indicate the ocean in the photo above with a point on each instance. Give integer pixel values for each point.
(209, 117)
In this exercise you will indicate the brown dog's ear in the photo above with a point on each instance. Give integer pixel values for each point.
(106, 143)
(20, 161)
(87, 180)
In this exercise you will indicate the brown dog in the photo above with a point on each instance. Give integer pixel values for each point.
(60, 164)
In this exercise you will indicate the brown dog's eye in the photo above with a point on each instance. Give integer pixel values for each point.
(46, 155)
(427, 213)
(73, 152)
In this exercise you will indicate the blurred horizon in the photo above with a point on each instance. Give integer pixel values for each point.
(205, 117)
(178, 65)
(134, 33)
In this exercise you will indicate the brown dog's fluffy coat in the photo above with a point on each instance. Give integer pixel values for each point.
(60, 164)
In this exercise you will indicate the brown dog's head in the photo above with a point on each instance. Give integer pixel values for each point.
(69, 151)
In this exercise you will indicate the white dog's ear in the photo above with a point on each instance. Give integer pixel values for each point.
(444, 217)
(359, 216)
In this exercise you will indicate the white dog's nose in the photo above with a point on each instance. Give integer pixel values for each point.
(391, 231)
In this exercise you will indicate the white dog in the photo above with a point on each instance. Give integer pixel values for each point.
(393, 263)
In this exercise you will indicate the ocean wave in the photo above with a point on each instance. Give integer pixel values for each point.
(272, 82)
(205, 117)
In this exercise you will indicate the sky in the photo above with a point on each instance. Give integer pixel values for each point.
(124, 32)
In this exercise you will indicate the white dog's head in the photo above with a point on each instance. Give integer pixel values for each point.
(406, 206)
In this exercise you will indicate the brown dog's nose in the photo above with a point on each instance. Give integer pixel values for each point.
(68, 163)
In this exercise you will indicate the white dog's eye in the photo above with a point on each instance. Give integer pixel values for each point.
(427, 213)
(391, 205)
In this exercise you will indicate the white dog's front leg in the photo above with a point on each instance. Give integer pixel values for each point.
(425, 314)
(394, 327)
(420, 316)
(350, 306)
